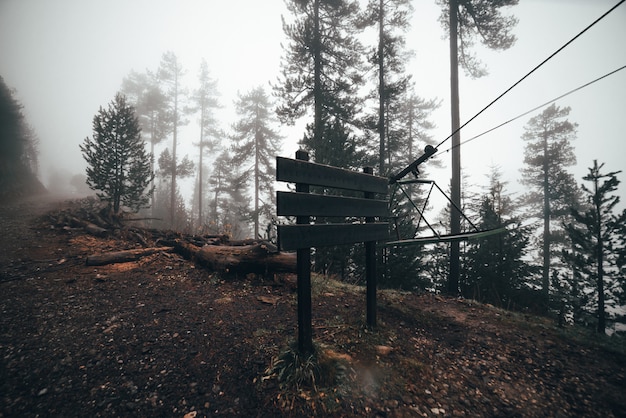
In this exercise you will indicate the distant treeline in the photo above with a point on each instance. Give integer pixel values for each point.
(18, 150)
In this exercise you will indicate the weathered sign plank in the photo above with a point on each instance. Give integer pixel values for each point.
(298, 171)
(293, 237)
(304, 204)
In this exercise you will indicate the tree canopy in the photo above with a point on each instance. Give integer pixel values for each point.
(482, 20)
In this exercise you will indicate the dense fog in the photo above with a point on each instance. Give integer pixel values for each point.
(65, 59)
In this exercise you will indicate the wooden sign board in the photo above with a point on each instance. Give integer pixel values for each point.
(293, 237)
(304, 235)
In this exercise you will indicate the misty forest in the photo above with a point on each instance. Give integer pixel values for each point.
(164, 172)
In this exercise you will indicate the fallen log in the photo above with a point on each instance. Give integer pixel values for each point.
(246, 259)
(124, 256)
(259, 258)
(88, 226)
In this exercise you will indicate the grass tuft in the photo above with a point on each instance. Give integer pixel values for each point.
(296, 371)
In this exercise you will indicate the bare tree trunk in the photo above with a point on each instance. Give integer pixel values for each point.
(256, 173)
(545, 282)
(152, 188)
(455, 182)
(174, 168)
(381, 89)
(200, 167)
(600, 260)
(317, 75)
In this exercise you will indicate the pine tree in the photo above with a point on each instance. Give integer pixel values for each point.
(595, 235)
(184, 168)
(407, 132)
(164, 212)
(118, 164)
(465, 20)
(403, 266)
(413, 130)
(229, 204)
(143, 92)
(195, 200)
(206, 102)
(495, 267)
(620, 250)
(391, 17)
(256, 145)
(478, 19)
(321, 73)
(552, 189)
(162, 209)
(219, 188)
(170, 75)
(343, 149)
(320, 76)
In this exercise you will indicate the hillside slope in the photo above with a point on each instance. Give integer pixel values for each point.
(161, 337)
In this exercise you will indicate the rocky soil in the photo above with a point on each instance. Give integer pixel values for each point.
(162, 337)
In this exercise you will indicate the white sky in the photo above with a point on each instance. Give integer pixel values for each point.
(66, 58)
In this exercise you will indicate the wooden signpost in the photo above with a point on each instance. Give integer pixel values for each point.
(304, 234)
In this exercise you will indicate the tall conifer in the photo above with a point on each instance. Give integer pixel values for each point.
(595, 236)
(552, 190)
(256, 144)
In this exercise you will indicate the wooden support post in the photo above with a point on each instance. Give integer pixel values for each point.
(305, 328)
(370, 266)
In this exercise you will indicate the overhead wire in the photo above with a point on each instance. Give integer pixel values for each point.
(429, 152)
(538, 107)
(532, 71)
